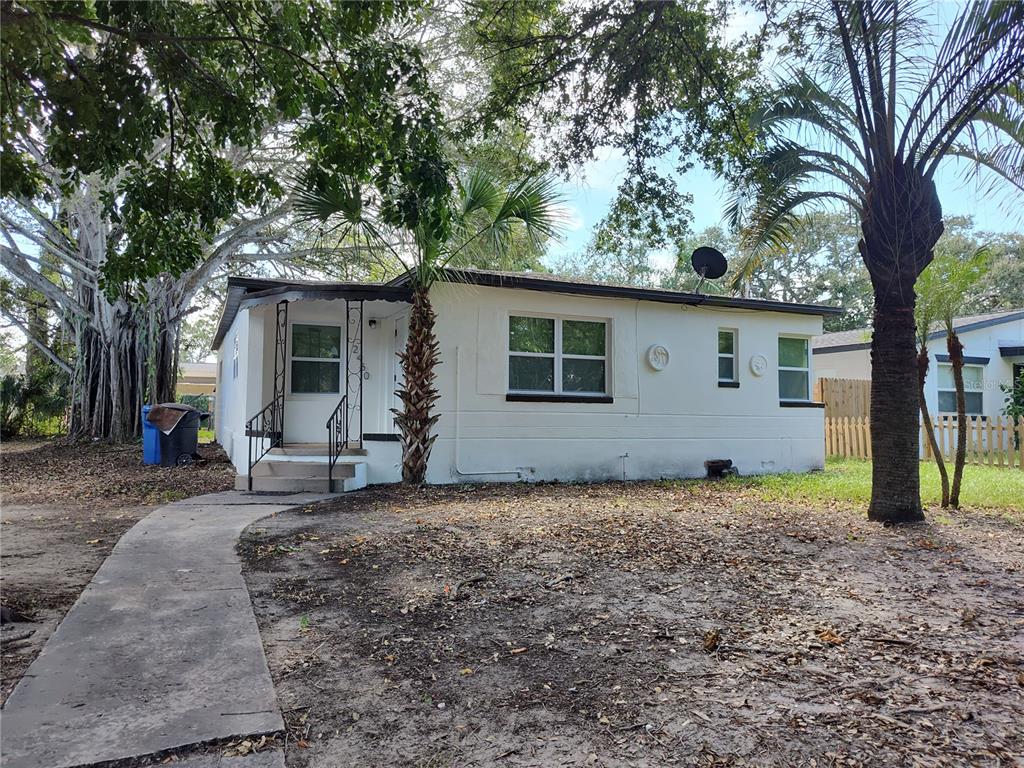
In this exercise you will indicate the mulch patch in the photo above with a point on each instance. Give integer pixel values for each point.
(637, 624)
(84, 474)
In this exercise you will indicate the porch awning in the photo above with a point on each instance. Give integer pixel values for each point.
(244, 292)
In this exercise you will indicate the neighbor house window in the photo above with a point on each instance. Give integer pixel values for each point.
(234, 359)
(316, 358)
(560, 356)
(726, 355)
(973, 382)
(794, 369)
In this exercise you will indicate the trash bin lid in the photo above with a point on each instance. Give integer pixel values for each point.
(167, 416)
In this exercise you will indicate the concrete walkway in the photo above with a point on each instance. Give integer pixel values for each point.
(160, 651)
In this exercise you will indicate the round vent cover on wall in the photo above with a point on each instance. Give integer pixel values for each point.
(657, 357)
(758, 365)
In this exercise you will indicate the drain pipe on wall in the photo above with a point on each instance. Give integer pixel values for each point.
(458, 408)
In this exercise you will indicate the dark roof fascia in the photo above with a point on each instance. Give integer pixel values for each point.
(1015, 351)
(931, 336)
(840, 348)
(244, 292)
(968, 359)
(537, 283)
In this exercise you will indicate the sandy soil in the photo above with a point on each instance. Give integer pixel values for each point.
(639, 625)
(63, 509)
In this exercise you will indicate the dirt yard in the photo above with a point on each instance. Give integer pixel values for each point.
(63, 509)
(638, 625)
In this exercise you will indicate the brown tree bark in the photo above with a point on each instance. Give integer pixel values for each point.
(956, 361)
(901, 222)
(926, 417)
(418, 395)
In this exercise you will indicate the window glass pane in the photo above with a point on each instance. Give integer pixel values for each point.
(793, 385)
(582, 338)
(945, 376)
(793, 353)
(725, 342)
(725, 369)
(973, 377)
(308, 376)
(582, 375)
(947, 402)
(536, 374)
(531, 334)
(316, 341)
(973, 402)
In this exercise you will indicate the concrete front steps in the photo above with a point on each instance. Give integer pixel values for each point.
(302, 467)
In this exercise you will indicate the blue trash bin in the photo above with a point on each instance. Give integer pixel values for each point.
(150, 439)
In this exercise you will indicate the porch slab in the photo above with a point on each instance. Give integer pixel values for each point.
(160, 651)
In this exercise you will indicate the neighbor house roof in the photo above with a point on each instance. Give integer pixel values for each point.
(860, 338)
(252, 290)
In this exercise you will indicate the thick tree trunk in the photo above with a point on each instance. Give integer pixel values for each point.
(901, 223)
(926, 417)
(121, 365)
(415, 420)
(895, 470)
(956, 360)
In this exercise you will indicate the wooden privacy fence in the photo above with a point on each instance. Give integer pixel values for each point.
(844, 397)
(997, 441)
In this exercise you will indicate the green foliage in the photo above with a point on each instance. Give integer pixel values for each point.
(651, 79)
(1013, 403)
(948, 285)
(32, 405)
(856, 120)
(155, 95)
(848, 481)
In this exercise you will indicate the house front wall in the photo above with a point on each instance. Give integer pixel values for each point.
(659, 423)
(982, 343)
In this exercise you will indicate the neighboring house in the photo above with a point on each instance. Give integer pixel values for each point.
(196, 379)
(540, 378)
(993, 355)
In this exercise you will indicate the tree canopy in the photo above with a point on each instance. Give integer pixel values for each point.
(157, 95)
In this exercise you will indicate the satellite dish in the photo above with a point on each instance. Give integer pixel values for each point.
(709, 262)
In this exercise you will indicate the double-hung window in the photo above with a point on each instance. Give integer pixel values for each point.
(727, 356)
(974, 380)
(557, 356)
(794, 370)
(316, 359)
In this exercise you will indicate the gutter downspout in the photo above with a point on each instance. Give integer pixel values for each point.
(458, 372)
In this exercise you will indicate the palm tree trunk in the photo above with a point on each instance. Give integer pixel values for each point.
(895, 470)
(418, 395)
(926, 417)
(956, 360)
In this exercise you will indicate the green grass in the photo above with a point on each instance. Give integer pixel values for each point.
(205, 435)
(849, 480)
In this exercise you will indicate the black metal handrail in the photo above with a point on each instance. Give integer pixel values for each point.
(337, 438)
(267, 425)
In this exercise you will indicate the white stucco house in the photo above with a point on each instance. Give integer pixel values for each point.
(541, 378)
(993, 355)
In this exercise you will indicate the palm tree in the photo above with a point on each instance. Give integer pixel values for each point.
(484, 218)
(945, 290)
(865, 124)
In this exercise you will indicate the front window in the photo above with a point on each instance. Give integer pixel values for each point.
(726, 355)
(973, 383)
(316, 359)
(794, 369)
(557, 356)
